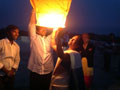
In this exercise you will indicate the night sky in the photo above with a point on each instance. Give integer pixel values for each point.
(91, 16)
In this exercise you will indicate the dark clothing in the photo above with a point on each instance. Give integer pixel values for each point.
(6, 83)
(80, 80)
(107, 61)
(109, 50)
(39, 82)
(88, 53)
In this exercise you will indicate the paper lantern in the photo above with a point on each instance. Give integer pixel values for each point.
(51, 13)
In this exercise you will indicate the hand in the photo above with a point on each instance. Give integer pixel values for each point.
(58, 36)
(5, 70)
(90, 49)
(11, 73)
(60, 32)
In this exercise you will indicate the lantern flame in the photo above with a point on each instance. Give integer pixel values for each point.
(52, 20)
(51, 13)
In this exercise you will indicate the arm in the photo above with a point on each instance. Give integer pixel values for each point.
(57, 46)
(1, 46)
(53, 40)
(32, 26)
(17, 60)
(1, 63)
(59, 50)
(56, 43)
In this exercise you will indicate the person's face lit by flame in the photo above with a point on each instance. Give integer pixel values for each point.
(74, 42)
(41, 31)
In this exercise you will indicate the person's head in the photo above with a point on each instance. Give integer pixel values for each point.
(85, 38)
(43, 31)
(75, 42)
(12, 32)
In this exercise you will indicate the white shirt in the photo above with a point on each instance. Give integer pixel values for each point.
(41, 60)
(9, 54)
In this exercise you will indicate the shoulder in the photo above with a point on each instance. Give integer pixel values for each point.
(72, 54)
(66, 55)
(2, 41)
(66, 58)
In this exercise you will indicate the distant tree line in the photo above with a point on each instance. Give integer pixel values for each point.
(97, 37)
(93, 36)
(108, 38)
(3, 33)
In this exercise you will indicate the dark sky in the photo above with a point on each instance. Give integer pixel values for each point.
(96, 16)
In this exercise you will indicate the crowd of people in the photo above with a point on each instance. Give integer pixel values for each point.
(74, 67)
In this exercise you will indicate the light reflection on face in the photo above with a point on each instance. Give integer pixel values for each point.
(73, 40)
(13, 34)
(43, 30)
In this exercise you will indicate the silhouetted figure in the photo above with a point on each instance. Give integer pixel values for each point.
(87, 52)
(109, 51)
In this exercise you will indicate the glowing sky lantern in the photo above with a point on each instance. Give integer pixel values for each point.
(51, 13)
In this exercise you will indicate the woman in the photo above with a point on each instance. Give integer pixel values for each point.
(68, 74)
(87, 52)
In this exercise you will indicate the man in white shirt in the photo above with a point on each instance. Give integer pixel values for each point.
(41, 59)
(9, 58)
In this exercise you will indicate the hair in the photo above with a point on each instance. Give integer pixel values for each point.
(86, 34)
(10, 28)
(79, 43)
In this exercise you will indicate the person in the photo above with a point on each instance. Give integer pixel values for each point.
(9, 58)
(87, 52)
(109, 51)
(41, 59)
(67, 74)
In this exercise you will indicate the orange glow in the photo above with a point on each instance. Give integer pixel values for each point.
(51, 13)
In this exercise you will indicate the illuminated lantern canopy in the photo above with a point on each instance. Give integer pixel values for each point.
(51, 13)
